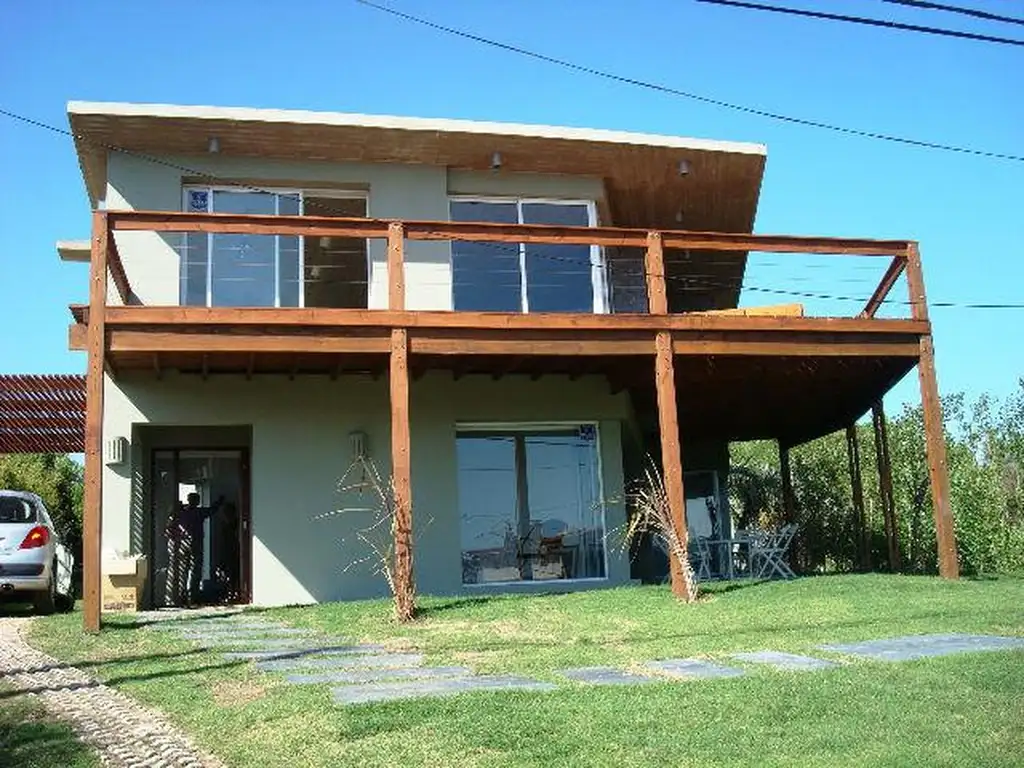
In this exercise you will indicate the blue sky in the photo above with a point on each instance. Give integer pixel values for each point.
(967, 212)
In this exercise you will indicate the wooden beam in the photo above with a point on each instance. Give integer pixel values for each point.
(654, 269)
(396, 266)
(250, 366)
(857, 487)
(92, 503)
(214, 342)
(885, 491)
(379, 318)
(205, 366)
(892, 274)
(117, 273)
(934, 434)
(165, 221)
(401, 475)
(671, 456)
(157, 369)
(78, 337)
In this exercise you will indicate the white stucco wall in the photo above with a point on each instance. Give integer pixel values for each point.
(300, 449)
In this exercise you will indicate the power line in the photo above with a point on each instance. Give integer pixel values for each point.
(660, 88)
(684, 282)
(978, 14)
(868, 22)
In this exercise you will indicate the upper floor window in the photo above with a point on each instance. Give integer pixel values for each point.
(238, 270)
(527, 277)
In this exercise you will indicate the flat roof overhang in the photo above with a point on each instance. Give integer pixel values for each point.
(737, 378)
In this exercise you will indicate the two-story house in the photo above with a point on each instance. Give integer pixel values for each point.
(506, 320)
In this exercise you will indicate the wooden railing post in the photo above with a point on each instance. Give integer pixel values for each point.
(885, 486)
(857, 487)
(92, 502)
(396, 265)
(934, 435)
(654, 269)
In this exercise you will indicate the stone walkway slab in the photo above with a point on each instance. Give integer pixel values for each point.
(785, 661)
(924, 646)
(338, 659)
(222, 636)
(206, 626)
(605, 676)
(693, 668)
(350, 677)
(376, 692)
(277, 644)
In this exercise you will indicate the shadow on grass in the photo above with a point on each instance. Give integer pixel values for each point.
(455, 603)
(29, 738)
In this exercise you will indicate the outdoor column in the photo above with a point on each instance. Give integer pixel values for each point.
(401, 464)
(92, 502)
(934, 436)
(788, 497)
(885, 486)
(671, 458)
(857, 486)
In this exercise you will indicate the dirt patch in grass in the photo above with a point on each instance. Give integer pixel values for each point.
(236, 693)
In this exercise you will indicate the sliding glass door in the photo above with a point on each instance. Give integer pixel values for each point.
(526, 277)
(530, 503)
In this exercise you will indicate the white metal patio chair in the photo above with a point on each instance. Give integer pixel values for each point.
(768, 550)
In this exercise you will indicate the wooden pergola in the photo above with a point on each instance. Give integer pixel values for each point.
(42, 413)
(694, 362)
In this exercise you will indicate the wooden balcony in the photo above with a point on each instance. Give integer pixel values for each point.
(738, 376)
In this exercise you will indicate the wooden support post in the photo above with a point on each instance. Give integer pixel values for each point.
(401, 470)
(92, 502)
(654, 267)
(788, 497)
(788, 500)
(671, 458)
(857, 486)
(934, 435)
(885, 486)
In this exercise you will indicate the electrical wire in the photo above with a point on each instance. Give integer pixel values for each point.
(694, 282)
(665, 89)
(863, 20)
(976, 13)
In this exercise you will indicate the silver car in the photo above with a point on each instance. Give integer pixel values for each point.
(34, 566)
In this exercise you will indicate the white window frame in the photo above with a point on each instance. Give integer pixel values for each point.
(534, 427)
(598, 268)
(302, 194)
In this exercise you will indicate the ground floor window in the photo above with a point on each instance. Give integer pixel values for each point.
(530, 503)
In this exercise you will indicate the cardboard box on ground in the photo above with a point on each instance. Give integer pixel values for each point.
(124, 578)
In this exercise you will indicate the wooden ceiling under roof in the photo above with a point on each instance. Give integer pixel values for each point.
(643, 184)
(42, 414)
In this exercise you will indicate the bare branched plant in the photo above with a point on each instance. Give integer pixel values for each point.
(651, 515)
(363, 479)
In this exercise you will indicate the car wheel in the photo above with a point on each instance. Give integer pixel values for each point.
(45, 601)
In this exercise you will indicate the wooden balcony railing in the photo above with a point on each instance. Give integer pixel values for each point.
(904, 254)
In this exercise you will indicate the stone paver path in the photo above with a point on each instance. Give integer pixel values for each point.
(123, 732)
(605, 676)
(924, 646)
(691, 668)
(363, 673)
(785, 661)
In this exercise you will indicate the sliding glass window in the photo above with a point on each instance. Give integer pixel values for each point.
(527, 277)
(239, 270)
(530, 503)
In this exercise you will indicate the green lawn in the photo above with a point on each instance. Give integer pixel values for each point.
(958, 710)
(29, 738)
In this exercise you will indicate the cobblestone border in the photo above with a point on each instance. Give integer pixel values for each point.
(122, 731)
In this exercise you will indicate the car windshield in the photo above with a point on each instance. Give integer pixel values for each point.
(16, 510)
